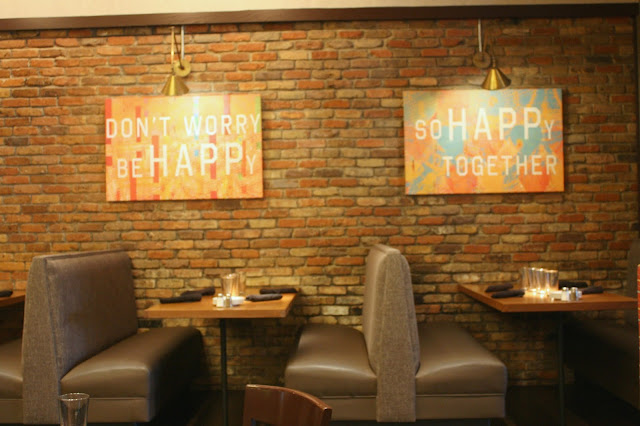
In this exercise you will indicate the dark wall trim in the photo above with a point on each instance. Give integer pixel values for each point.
(636, 28)
(306, 15)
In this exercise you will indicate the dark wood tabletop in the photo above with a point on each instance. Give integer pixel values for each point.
(14, 299)
(534, 303)
(206, 309)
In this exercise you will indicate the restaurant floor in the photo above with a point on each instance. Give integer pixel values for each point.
(526, 406)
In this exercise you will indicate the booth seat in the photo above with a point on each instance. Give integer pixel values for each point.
(11, 382)
(81, 335)
(605, 352)
(395, 370)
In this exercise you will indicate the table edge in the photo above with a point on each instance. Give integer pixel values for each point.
(582, 305)
(152, 312)
(17, 297)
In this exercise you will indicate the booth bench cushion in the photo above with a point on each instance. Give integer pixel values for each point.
(457, 377)
(452, 362)
(147, 366)
(331, 354)
(11, 381)
(11, 370)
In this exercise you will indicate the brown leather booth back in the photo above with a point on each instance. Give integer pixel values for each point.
(77, 305)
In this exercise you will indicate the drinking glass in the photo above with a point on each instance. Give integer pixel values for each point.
(550, 279)
(74, 408)
(524, 278)
(242, 283)
(530, 279)
(541, 280)
(230, 284)
(535, 276)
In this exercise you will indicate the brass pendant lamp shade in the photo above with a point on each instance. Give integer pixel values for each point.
(495, 79)
(175, 85)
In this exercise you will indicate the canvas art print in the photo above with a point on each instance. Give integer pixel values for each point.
(183, 147)
(480, 141)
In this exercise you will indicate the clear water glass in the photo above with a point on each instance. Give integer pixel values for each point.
(74, 409)
(524, 279)
(242, 283)
(550, 279)
(536, 279)
(230, 284)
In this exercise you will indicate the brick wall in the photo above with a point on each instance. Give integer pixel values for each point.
(333, 171)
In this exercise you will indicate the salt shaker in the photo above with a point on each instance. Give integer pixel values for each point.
(574, 294)
(227, 301)
(220, 301)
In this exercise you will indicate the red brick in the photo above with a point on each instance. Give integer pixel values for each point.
(251, 47)
(294, 35)
(496, 229)
(234, 57)
(351, 34)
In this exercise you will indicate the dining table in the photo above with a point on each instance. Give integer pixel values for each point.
(206, 308)
(16, 297)
(534, 302)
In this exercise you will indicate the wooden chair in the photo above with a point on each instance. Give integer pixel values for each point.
(278, 406)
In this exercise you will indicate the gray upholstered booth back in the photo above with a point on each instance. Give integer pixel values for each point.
(391, 332)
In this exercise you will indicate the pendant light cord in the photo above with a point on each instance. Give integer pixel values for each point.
(175, 43)
(173, 40)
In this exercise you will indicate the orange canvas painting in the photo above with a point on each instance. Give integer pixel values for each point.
(184, 147)
(480, 141)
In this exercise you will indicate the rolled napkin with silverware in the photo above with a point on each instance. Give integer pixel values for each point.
(180, 299)
(263, 297)
(498, 287)
(6, 293)
(278, 290)
(207, 291)
(571, 283)
(592, 290)
(507, 293)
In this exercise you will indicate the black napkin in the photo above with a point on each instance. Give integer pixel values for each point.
(569, 284)
(278, 290)
(184, 298)
(507, 293)
(207, 291)
(263, 297)
(499, 287)
(592, 290)
(6, 293)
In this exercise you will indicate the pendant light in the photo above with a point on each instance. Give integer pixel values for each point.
(495, 78)
(175, 85)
